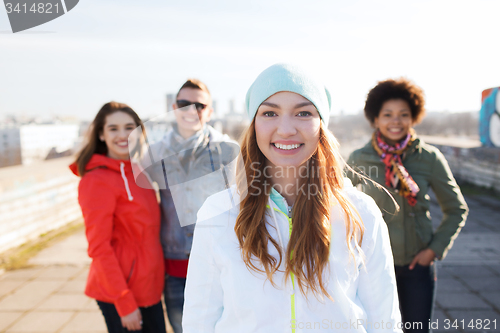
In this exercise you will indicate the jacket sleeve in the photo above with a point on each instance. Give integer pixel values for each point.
(98, 203)
(452, 204)
(203, 297)
(377, 288)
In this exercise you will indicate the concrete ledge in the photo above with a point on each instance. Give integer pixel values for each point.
(469, 162)
(36, 199)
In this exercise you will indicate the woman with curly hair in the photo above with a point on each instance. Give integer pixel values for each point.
(407, 167)
(303, 249)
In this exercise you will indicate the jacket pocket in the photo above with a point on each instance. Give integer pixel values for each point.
(131, 272)
(423, 226)
(127, 257)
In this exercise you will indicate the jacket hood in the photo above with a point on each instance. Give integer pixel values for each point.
(164, 147)
(97, 161)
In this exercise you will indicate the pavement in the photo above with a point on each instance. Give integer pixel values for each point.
(48, 297)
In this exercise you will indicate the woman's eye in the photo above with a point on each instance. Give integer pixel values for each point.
(304, 114)
(269, 114)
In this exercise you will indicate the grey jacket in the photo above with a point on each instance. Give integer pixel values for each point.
(186, 183)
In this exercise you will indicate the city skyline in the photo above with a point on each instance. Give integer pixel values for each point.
(136, 53)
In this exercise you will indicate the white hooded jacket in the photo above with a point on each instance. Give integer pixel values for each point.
(223, 295)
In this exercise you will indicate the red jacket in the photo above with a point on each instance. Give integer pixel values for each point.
(122, 224)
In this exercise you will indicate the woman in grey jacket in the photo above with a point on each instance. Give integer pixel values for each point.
(407, 167)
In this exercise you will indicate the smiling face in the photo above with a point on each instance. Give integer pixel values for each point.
(189, 120)
(394, 120)
(287, 128)
(117, 128)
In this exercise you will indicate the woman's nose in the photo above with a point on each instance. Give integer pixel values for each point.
(286, 127)
(396, 119)
(123, 134)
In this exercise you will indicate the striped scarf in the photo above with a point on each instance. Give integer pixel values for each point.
(396, 175)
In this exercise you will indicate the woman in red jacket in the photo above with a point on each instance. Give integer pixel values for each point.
(122, 223)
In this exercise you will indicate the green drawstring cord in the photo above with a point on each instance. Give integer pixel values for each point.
(292, 296)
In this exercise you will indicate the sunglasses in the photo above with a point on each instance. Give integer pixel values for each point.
(181, 103)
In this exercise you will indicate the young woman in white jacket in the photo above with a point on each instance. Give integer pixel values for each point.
(292, 247)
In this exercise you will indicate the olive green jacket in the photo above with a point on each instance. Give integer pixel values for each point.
(410, 229)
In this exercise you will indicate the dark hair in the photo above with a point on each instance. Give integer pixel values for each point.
(401, 88)
(94, 144)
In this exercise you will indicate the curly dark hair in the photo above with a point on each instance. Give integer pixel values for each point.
(401, 88)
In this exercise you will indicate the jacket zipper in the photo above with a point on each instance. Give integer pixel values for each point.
(292, 296)
(131, 271)
(292, 276)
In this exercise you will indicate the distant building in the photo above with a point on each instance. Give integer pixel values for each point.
(37, 140)
(156, 128)
(234, 122)
(214, 107)
(170, 101)
(10, 146)
(25, 144)
(232, 109)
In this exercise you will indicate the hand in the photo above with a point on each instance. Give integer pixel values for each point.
(132, 321)
(423, 258)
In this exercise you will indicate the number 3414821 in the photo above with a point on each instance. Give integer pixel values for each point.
(36, 8)
(474, 324)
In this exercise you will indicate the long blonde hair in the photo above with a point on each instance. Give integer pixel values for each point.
(307, 254)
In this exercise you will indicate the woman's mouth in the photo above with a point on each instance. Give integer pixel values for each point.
(287, 147)
(395, 130)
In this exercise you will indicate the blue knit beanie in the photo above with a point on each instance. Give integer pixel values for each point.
(287, 77)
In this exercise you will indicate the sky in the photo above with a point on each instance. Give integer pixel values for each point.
(136, 52)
